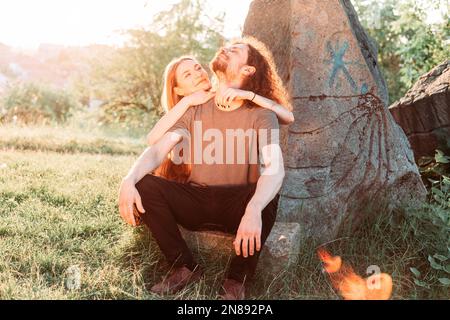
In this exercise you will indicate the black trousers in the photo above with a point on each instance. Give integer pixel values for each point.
(168, 203)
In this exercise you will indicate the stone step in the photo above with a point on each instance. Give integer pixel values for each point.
(279, 253)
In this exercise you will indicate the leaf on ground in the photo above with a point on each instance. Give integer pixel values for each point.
(438, 192)
(440, 257)
(447, 268)
(415, 271)
(434, 264)
(421, 284)
(441, 158)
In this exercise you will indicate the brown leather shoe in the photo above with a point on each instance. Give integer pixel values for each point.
(232, 290)
(177, 280)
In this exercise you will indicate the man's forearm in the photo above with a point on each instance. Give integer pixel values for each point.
(146, 162)
(267, 188)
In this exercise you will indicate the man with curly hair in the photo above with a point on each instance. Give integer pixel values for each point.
(236, 164)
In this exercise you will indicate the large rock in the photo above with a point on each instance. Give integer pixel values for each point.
(345, 156)
(279, 253)
(424, 112)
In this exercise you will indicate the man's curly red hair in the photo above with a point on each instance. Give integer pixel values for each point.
(265, 81)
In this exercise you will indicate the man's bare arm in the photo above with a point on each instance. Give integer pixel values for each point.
(267, 187)
(150, 159)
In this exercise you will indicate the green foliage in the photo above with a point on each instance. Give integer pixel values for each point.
(408, 46)
(131, 79)
(430, 223)
(32, 103)
(433, 168)
(126, 117)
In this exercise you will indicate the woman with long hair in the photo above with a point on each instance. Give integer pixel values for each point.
(186, 84)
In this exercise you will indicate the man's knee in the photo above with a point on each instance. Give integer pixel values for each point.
(149, 184)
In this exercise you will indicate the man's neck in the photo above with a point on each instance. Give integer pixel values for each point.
(225, 84)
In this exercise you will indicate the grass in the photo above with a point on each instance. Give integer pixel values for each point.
(58, 211)
(61, 140)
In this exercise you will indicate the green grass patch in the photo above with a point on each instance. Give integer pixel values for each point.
(58, 212)
(67, 140)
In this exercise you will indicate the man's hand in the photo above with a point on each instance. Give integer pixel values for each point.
(128, 196)
(249, 232)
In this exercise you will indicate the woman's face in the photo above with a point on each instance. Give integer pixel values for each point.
(191, 77)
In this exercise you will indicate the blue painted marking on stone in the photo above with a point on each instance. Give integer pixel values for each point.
(364, 88)
(339, 64)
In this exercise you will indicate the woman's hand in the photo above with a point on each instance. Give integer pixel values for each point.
(231, 94)
(128, 196)
(199, 97)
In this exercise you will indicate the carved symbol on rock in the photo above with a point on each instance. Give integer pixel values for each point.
(339, 64)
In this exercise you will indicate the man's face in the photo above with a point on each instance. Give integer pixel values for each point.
(230, 60)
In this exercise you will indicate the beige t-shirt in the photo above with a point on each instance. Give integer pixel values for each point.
(224, 147)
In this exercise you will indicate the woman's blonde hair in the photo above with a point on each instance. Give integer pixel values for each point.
(168, 169)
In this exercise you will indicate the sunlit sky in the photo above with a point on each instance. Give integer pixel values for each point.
(27, 23)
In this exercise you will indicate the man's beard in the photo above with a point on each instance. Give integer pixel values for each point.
(218, 64)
